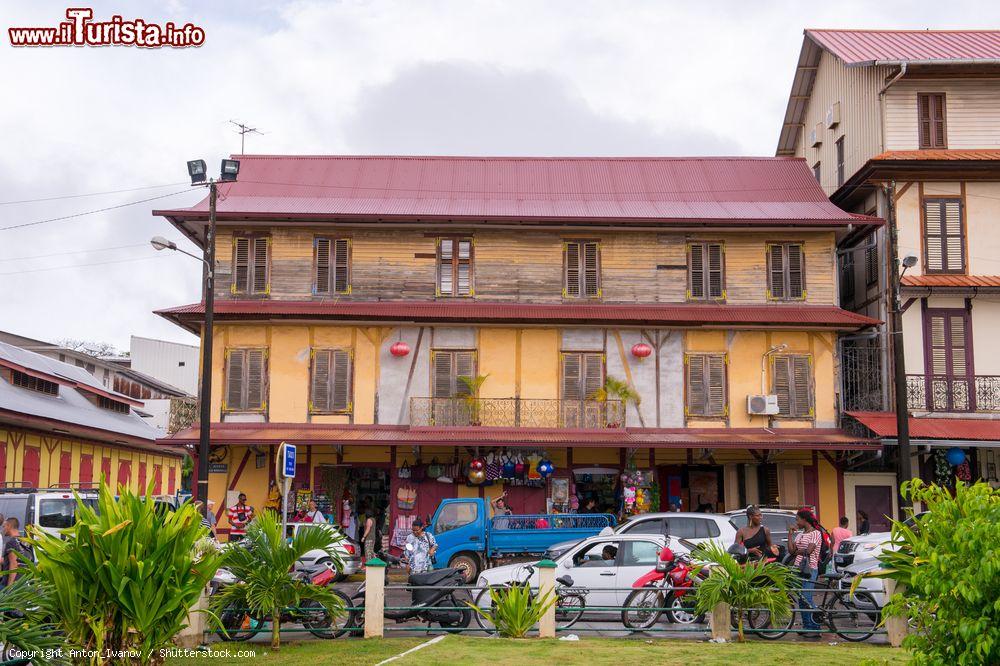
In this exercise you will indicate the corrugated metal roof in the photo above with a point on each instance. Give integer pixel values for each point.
(396, 435)
(69, 406)
(755, 190)
(957, 281)
(868, 47)
(477, 311)
(953, 154)
(884, 425)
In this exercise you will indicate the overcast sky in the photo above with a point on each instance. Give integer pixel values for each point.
(503, 77)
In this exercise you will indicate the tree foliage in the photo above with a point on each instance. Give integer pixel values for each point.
(949, 565)
(515, 610)
(26, 622)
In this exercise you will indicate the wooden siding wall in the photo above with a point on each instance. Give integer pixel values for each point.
(636, 267)
(972, 112)
(856, 89)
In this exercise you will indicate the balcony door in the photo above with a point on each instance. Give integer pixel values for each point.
(582, 378)
(451, 406)
(948, 367)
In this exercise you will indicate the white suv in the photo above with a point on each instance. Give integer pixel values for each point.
(349, 551)
(693, 527)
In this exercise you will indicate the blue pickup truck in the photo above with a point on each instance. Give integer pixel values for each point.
(469, 539)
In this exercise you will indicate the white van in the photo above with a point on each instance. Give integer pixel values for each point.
(50, 509)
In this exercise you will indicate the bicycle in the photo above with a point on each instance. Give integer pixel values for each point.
(853, 617)
(571, 603)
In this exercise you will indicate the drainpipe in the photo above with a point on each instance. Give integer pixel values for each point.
(881, 105)
(763, 365)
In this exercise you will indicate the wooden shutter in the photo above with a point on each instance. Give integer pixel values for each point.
(465, 366)
(241, 264)
(341, 265)
(320, 398)
(463, 268)
(323, 265)
(446, 267)
(944, 236)
(259, 265)
(235, 379)
(572, 269)
(776, 271)
(871, 261)
(716, 383)
(796, 270)
(591, 270)
(256, 379)
(340, 381)
(706, 391)
(948, 354)
(792, 381)
(593, 374)
(716, 283)
(443, 363)
(931, 120)
(696, 391)
(696, 270)
(781, 376)
(572, 371)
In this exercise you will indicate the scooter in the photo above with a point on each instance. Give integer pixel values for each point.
(669, 585)
(434, 596)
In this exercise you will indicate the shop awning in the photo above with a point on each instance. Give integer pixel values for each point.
(393, 435)
(883, 424)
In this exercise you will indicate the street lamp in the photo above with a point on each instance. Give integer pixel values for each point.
(229, 169)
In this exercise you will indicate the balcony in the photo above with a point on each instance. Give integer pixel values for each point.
(943, 393)
(516, 413)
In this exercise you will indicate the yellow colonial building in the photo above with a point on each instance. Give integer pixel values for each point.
(662, 330)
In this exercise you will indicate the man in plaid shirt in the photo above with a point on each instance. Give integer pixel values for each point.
(240, 515)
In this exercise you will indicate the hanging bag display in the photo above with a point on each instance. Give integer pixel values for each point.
(406, 498)
(418, 472)
(404, 471)
(493, 467)
(435, 469)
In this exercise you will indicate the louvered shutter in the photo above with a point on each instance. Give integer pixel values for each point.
(256, 378)
(340, 382)
(571, 375)
(776, 275)
(937, 122)
(241, 264)
(924, 120)
(781, 371)
(465, 366)
(871, 261)
(802, 386)
(572, 269)
(463, 266)
(234, 379)
(944, 236)
(948, 345)
(715, 277)
(591, 269)
(696, 269)
(259, 272)
(795, 269)
(341, 265)
(323, 265)
(321, 380)
(696, 392)
(931, 120)
(593, 374)
(446, 270)
(716, 385)
(443, 373)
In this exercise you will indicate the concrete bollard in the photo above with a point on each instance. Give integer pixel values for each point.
(547, 585)
(193, 634)
(896, 626)
(374, 598)
(720, 622)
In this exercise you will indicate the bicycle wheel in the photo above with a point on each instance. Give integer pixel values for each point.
(239, 625)
(855, 618)
(320, 622)
(569, 609)
(638, 611)
(484, 602)
(766, 627)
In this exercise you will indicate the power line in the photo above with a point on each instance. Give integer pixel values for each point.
(88, 194)
(99, 263)
(91, 212)
(62, 254)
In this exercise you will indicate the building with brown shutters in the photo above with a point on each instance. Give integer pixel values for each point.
(398, 317)
(913, 118)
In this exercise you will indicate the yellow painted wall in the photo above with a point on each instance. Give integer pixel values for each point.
(829, 509)
(539, 363)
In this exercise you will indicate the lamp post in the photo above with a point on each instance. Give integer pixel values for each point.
(228, 173)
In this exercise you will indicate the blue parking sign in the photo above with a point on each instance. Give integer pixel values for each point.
(290, 461)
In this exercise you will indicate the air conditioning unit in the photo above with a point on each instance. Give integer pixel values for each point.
(833, 115)
(816, 135)
(762, 405)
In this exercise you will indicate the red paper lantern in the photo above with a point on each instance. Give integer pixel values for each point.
(641, 350)
(399, 349)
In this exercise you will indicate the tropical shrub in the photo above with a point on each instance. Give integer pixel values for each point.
(514, 610)
(754, 585)
(263, 563)
(949, 563)
(26, 626)
(123, 578)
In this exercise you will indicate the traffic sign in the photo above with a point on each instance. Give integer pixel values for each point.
(286, 461)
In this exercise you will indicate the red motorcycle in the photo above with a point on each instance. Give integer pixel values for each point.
(669, 588)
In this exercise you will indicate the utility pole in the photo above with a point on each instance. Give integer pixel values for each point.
(205, 425)
(904, 467)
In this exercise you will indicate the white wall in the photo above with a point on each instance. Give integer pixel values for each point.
(170, 362)
(972, 112)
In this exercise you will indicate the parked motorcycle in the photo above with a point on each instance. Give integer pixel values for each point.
(670, 585)
(434, 596)
(311, 614)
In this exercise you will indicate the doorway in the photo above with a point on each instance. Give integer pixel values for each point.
(875, 488)
(876, 501)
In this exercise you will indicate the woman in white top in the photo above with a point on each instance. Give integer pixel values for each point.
(313, 514)
(805, 546)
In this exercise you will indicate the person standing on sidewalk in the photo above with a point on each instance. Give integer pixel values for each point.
(421, 558)
(806, 548)
(240, 515)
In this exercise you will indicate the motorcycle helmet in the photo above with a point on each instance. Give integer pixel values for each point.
(739, 552)
(665, 562)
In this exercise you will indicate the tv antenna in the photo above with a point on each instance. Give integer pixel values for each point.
(243, 129)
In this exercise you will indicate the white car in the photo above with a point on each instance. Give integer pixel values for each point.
(348, 550)
(864, 550)
(602, 561)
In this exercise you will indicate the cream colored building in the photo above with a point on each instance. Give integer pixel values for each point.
(913, 118)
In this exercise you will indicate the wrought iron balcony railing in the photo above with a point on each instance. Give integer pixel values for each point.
(517, 412)
(946, 393)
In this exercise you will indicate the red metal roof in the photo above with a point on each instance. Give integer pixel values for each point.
(681, 314)
(884, 425)
(959, 281)
(952, 154)
(401, 435)
(868, 47)
(640, 190)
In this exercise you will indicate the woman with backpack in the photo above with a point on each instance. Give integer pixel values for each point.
(806, 546)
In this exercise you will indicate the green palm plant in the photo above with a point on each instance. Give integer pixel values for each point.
(616, 389)
(263, 564)
(515, 610)
(26, 622)
(471, 395)
(124, 577)
(754, 585)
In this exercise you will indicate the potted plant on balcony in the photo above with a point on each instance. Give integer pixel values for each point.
(616, 389)
(471, 396)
